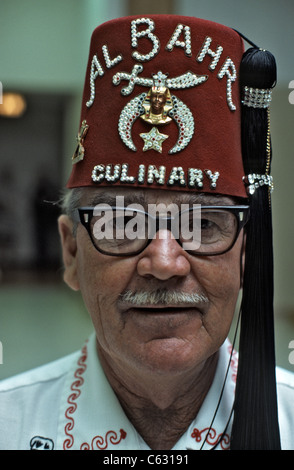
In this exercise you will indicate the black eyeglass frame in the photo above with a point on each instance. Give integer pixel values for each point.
(237, 210)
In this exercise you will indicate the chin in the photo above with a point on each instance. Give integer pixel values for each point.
(171, 355)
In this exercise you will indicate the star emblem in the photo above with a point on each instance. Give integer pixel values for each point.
(153, 140)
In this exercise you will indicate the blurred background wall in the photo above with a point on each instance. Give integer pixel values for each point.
(43, 54)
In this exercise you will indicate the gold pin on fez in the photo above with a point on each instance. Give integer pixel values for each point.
(80, 150)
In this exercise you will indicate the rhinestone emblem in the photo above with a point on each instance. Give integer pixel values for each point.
(171, 108)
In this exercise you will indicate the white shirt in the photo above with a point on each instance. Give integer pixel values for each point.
(69, 404)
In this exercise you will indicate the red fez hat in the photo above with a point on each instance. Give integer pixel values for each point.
(161, 107)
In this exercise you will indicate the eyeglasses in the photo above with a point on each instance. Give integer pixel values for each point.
(127, 231)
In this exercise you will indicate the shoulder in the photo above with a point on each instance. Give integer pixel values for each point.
(30, 403)
(50, 372)
(285, 388)
(285, 392)
(285, 379)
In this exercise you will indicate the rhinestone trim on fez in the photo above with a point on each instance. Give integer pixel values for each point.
(227, 70)
(192, 178)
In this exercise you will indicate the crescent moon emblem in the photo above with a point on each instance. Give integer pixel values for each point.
(128, 116)
(185, 121)
(180, 113)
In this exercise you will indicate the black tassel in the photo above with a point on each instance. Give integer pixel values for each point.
(258, 69)
(255, 425)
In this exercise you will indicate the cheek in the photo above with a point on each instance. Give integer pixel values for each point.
(224, 280)
(220, 278)
(98, 274)
(221, 274)
(100, 282)
(102, 279)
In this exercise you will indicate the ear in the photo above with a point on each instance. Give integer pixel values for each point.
(69, 251)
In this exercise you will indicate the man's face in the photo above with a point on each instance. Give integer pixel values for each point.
(163, 338)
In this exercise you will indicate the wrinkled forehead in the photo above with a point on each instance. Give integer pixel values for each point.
(125, 196)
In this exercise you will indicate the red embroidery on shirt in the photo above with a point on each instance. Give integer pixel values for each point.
(212, 438)
(75, 387)
(234, 362)
(98, 442)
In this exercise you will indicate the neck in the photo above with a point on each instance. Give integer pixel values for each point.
(160, 407)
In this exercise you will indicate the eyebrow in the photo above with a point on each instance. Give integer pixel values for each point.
(209, 199)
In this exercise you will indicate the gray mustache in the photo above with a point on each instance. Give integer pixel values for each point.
(163, 297)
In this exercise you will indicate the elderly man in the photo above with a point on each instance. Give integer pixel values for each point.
(163, 223)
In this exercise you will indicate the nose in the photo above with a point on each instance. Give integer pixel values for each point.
(164, 258)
